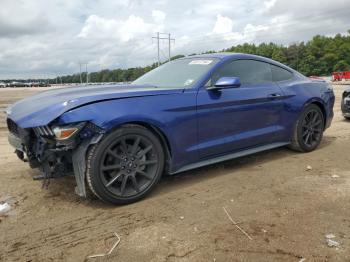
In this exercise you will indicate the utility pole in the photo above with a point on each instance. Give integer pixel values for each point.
(158, 45)
(169, 42)
(86, 71)
(87, 76)
(158, 48)
(297, 56)
(81, 80)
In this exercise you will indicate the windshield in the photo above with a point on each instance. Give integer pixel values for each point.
(178, 73)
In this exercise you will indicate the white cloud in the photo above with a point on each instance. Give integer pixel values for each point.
(223, 31)
(269, 4)
(254, 29)
(158, 16)
(134, 26)
(100, 27)
(223, 25)
(96, 26)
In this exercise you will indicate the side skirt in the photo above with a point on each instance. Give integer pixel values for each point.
(229, 156)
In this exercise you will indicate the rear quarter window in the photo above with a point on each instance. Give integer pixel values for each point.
(280, 74)
(249, 71)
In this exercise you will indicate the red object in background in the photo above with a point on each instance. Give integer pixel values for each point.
(339, 76)
(347, 75)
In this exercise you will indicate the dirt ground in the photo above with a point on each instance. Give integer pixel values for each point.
(286, 209)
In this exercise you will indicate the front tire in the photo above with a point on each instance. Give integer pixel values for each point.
(308, 131)
(126, 165)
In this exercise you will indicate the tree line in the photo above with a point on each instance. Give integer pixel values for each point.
(320, 56)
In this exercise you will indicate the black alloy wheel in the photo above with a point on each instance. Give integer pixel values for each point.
(312, 128)
(308, 130)
(125, 165)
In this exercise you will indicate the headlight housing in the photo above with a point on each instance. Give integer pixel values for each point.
(67, 131)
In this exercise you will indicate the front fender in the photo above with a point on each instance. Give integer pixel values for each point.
(174, 116)
(110, 114)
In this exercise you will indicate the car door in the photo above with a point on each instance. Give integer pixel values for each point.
(234, 119)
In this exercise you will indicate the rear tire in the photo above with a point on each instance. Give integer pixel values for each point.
(308, 131)
(126, 165)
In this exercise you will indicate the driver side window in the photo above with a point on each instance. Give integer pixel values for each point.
(249, 72)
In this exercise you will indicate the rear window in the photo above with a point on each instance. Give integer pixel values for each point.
(280, 74)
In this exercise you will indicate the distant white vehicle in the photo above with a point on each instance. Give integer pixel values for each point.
(16, 84)
(2, 85)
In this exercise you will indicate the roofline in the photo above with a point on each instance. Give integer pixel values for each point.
(228, 56)
(224, 56)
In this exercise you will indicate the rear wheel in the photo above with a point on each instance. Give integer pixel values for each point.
(308, 130)
(126, 165)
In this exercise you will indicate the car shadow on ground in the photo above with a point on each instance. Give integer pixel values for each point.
(326, 141)
(63, 188)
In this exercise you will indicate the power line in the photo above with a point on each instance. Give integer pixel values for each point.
(158, 44)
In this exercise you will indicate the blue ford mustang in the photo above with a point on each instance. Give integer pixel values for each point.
(118, 140)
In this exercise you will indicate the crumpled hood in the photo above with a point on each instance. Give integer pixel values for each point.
(44, 107)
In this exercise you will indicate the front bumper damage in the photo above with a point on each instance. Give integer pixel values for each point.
(54, 158)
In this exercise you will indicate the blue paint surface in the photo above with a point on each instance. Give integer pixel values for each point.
(198, 123)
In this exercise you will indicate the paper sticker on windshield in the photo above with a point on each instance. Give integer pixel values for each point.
(200, 62)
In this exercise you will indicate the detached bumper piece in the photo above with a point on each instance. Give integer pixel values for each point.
(54, 158)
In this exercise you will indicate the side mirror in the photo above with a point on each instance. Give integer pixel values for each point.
(226, 82)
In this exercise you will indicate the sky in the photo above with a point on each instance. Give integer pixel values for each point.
(43, 39)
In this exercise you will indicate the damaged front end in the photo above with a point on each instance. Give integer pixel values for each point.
(56, 150)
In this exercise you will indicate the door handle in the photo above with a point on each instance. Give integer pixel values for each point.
(274, 95)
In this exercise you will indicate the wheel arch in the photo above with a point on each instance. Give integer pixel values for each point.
(322, 108)
(157, 131)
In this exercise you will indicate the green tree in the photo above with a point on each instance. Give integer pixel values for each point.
(342, 65)
(322, 55)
